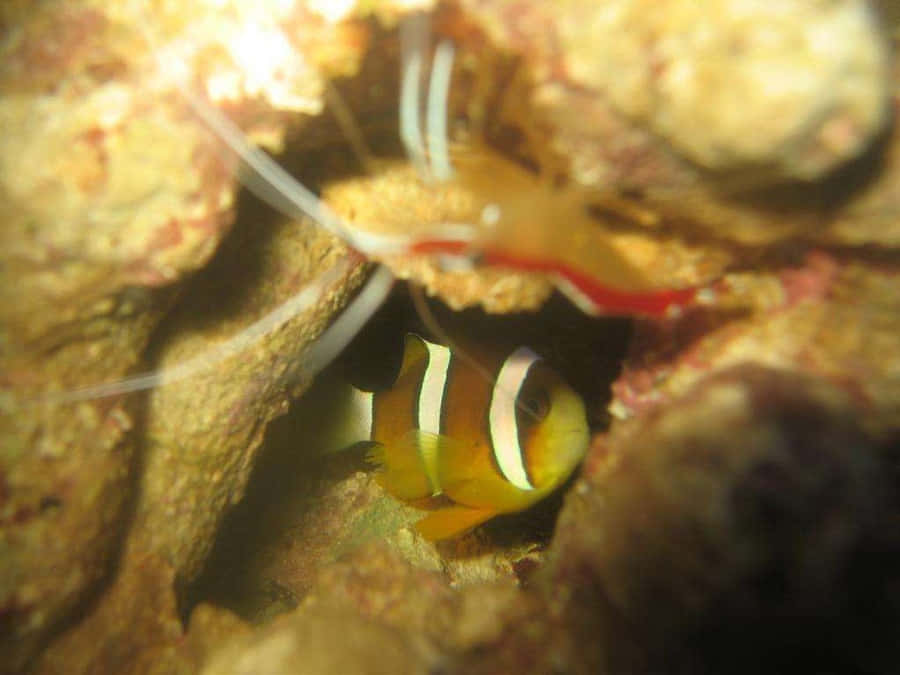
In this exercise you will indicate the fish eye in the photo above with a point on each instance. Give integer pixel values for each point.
(537, 404)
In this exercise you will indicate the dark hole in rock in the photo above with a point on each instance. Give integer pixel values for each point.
(262, 563)
(270, 546)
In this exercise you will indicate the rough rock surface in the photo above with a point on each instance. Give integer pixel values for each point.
(733, 529)
(830, 318)
(331, 643)
(113, 193)
(684, 72)
(326, 517)
(106, 198)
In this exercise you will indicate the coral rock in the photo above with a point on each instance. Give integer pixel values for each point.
(738, 525)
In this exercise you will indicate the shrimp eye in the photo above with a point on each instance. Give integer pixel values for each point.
(537, 404)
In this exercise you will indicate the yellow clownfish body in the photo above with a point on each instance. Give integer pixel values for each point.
(486, 447)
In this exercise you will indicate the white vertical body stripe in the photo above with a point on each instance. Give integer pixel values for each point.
(431, 393)
(502, 417)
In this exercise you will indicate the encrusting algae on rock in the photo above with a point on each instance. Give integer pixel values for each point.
(698, 173)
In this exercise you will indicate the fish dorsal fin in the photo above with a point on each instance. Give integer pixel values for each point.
(415, 350)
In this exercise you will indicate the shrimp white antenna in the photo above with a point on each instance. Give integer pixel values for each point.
(351, 130)
(328, 345)
(349, 322)
(268, 181)
(413, 43)
(436, 111)
(265, 178)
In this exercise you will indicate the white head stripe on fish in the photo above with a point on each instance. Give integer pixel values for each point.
(502, 417)
(431, 393)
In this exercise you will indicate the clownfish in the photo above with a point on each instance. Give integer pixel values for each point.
(446, 439)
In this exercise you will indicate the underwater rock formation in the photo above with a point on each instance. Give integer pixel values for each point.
(708, 79)
(829, 318)
(726, 502)
(731, 530)
(102, 206)
(330, 643)
(113, 195)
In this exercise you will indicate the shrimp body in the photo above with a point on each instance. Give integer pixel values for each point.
(514, 220)
(518, 220)
(528, 225)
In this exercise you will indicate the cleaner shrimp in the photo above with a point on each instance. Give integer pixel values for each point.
(507, 225)
(514, 211)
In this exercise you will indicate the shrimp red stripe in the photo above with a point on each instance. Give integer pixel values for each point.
(604, 299)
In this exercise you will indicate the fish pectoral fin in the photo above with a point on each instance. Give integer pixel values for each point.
(400, 472)
(452, 521)
(408, 465)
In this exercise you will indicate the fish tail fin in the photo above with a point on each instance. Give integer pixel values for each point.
(452, 521)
